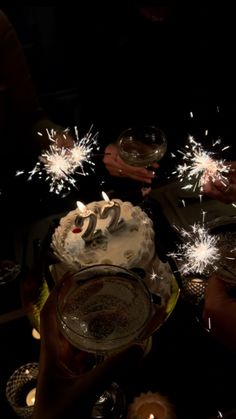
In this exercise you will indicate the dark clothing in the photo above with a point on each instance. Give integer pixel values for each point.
(19, 105)
(21, 117)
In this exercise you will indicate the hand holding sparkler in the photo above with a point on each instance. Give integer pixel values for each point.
(224, 192)
(64, 158)
(219, 311)
(200, 167)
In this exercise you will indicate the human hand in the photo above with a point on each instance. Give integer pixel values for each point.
(67, 385)
(117, 167)
(63, 139)
(220, 311)
(223, 192)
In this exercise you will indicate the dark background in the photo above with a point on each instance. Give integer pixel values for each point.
(107, 65)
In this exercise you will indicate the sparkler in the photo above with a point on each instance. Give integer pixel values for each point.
(58, 165)
(199, 166)
(199, 251)
(204, 252)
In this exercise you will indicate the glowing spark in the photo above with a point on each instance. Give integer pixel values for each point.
(153, 276)
(198, 253)
(19, 172)
(59, 165)
(209, 323)
(199, 166)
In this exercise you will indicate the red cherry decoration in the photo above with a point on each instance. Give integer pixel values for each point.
(76, 230)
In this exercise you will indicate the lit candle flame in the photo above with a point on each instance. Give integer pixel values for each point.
(112, 209)
(81, 207)
(35, 334)
(151, 416)
(105, 197)
(30, 399)
(85, 213)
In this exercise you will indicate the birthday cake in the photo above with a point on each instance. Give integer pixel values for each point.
(127, 242)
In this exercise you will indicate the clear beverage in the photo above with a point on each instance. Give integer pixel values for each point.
(104, 313)
(141, 147)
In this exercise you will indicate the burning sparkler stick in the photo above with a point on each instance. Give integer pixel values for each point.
(199, 166)
(60, 164)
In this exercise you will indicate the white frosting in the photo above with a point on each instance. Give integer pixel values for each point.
(132, 245)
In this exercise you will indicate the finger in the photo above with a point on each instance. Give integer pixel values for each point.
(155, 165)
(131, 176)
(146, 191)
(133, 169)
(129, 171)
(227, 190)
(225, 197)
(115, 164)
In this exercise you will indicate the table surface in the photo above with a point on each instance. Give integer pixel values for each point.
(185, 364)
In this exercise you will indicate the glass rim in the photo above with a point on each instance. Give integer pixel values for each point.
(144, 127)
(138, 133)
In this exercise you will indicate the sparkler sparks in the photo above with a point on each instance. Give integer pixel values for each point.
(199, 251)
(58, 165)
(203, 251)
(199, 166)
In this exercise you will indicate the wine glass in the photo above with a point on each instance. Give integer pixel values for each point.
(141, 147)
(102, 309)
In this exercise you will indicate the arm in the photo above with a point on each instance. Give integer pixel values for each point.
(220, 308)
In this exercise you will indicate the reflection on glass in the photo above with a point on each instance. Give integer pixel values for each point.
(142, 146)
(101, 309)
